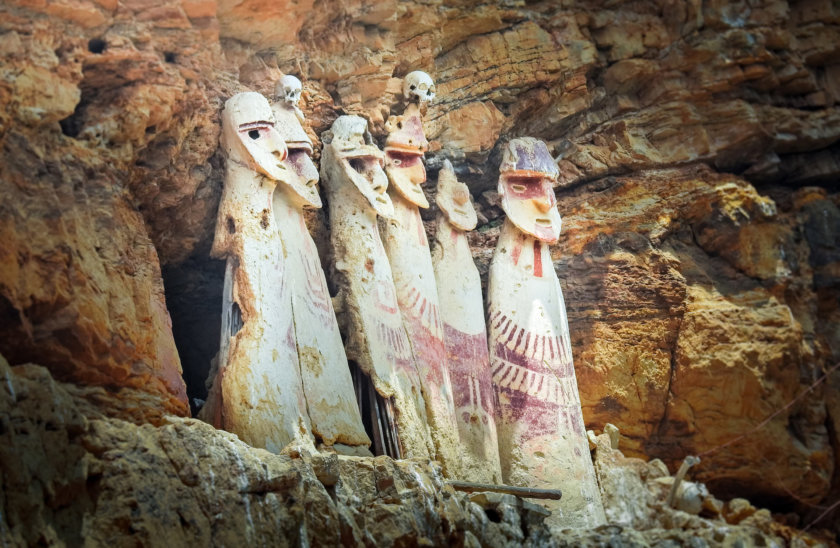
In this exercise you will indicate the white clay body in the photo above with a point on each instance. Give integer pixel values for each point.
(353, 177)
(414, 278)
(257, 393)
(327, 385)
(331, 402)
(542, 439)
(462, 313)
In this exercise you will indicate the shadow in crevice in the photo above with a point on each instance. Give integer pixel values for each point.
(194, 299)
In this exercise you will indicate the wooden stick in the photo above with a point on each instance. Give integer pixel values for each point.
(687, 463)
(392, 428)
(524, 492)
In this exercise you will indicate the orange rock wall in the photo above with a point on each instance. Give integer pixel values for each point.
(698, 144)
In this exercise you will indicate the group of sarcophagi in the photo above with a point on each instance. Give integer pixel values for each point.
(492, 396)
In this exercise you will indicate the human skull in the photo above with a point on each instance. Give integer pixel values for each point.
(419, 86)
(288, 89)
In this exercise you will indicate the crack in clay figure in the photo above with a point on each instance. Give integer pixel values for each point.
(542, 440)
(351, 170)
(465, 335)
(411, 263)
(257, 393)
(327, 385)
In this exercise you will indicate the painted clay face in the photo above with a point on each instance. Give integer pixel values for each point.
(361, 161)
(288, 89)
(404, 148)
(249, 134)
(407, 172)
(419, 86)
(301, 173)
(301, 176)
(526, 180)
(453, 198)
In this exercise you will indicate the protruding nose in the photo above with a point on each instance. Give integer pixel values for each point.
(281, 154)
(543, 203)
(379, 187)
(278, 148)
(461, 196)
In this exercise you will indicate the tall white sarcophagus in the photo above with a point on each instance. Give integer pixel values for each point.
(542, 440)
(257, 392)
(464, 330)
(408, 252)
(327, 385)
(351, 170)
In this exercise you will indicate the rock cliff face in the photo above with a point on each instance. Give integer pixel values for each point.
(698, 145)
(73, 475)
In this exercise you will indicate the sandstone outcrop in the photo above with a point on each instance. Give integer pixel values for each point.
(72, 473)
(698, 148)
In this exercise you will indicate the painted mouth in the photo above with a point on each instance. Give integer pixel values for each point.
(417, 189)
(460, 211)
(381, 200)
(544, 222)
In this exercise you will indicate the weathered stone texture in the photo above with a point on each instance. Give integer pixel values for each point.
(698, 147)
(74, 476)
(71, 473)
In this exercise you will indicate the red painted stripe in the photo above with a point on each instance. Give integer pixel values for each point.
(513, 332)
(414, 292)
(537, 259)
(517, 249)
(501, 317)
(505, 327)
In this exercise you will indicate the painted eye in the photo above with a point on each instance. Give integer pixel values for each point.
(254, 134)
(413, 87)
(358, 165)
(518, 188)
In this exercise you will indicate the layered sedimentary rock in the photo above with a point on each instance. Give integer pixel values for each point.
(697, 145)
(73, 475)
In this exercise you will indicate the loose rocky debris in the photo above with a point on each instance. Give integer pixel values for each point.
(70, 473)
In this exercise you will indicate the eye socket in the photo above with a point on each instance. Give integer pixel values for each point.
(254, 134)
(358, 165)
(413, 87)
(518, 188)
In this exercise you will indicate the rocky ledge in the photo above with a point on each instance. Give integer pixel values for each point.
(73, 474)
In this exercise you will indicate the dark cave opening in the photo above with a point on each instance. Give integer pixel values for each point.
(193, 292)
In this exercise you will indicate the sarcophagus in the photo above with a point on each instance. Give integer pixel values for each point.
(464, 330)
(414, 278)
(257, 393)
(542, 441)
(327, 385)
(351, 170)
